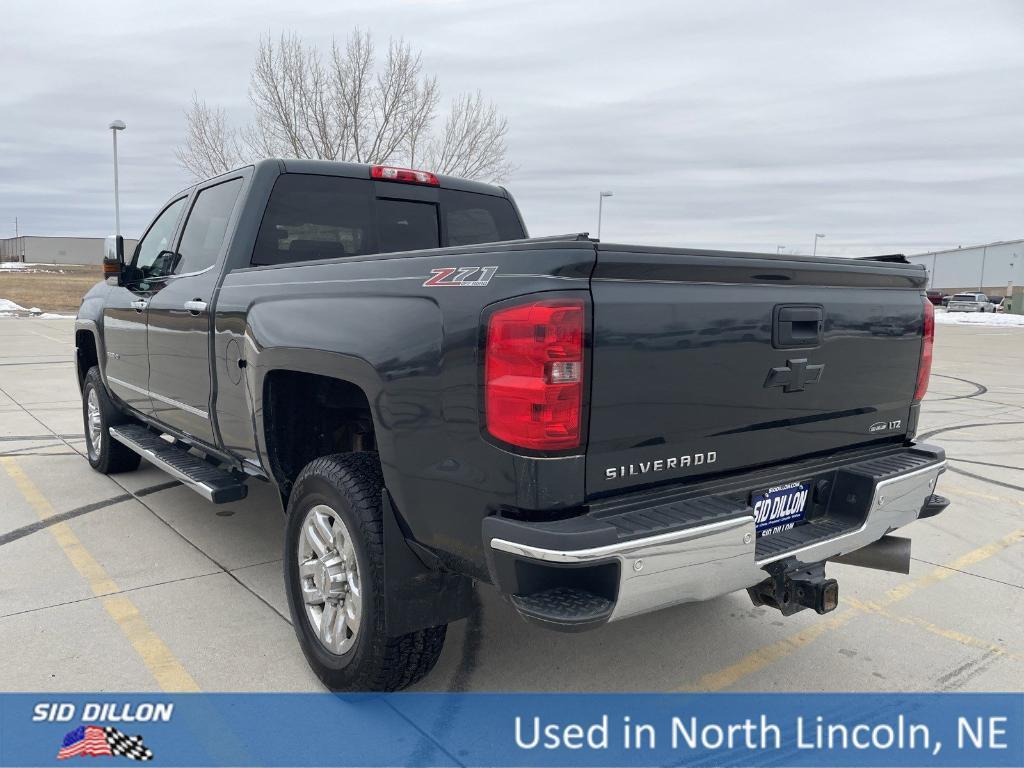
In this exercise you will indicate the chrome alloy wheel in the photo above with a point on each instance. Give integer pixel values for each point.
(95, 422)
(329, 579)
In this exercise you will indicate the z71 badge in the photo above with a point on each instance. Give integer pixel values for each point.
(460, 276)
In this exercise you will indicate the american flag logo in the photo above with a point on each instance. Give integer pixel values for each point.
(98, 741)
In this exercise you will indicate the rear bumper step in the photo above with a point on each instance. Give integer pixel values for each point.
(694, 549)
(212, 483)
(568, 608)
(934, 505)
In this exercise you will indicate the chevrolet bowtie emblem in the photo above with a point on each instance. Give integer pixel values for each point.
(794, 375)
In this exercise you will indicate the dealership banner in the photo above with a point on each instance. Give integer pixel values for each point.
(495, 729)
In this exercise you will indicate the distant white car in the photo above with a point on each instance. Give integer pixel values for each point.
(970, 302)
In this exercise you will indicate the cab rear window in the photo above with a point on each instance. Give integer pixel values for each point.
(313, 217)
(471, 218)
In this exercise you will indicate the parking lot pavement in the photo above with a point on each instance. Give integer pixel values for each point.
(132, 582)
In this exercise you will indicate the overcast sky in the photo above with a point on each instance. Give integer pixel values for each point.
(890, 127)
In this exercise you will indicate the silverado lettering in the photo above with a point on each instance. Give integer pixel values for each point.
(661, 465)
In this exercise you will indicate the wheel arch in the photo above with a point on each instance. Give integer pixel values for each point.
(87, 353)
(310, 404)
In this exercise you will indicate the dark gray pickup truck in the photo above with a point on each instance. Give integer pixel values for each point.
(596, 430)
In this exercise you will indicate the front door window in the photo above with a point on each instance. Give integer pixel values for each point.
(153, 256)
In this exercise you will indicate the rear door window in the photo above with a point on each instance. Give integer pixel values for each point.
(206, 227)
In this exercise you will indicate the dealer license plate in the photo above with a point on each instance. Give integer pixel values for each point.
(779, 508)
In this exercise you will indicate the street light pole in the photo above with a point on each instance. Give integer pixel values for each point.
(817, 237)
(115, 126)
(778, 249)
(600, 204)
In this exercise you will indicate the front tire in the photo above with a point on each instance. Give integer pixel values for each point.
(334, 578)
(105, 454)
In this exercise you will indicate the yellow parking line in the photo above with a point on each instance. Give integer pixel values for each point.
(762, 657)
(959, 490)
(943, 572)
(168, 671)
(950, 634)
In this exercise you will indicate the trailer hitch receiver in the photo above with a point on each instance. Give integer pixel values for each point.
(793, 586)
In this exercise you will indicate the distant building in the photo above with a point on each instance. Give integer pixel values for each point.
(57, 250)
(984, 268)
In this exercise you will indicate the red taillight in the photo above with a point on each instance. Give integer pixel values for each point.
(533, 374)
(924, 371)
(408, 175)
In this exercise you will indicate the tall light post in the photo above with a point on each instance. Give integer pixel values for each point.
(817, 237)
(600, 204)
(115, 126)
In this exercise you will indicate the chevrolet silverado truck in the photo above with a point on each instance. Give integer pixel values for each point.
(595, 430)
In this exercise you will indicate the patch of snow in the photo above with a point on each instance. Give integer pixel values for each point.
(6, 305)
(990, 319)
(29, 266)
(9, 309)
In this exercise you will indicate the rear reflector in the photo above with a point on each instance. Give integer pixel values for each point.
(924, 370)
(408, 175)
(533, 374)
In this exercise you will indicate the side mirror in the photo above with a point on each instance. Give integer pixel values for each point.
(113, 258)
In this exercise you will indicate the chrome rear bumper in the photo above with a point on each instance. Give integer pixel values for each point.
(706, 561)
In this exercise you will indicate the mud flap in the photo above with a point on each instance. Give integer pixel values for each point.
(419, 591)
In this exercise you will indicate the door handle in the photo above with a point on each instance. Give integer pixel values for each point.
(196, 306)
(139, 305)
(798, 325)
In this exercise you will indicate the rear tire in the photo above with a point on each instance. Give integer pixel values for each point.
(99, 413)
(334, 578)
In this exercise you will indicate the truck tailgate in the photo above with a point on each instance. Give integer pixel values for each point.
(705, 363)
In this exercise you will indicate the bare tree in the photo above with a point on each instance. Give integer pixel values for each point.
(211, 146)
(344, 105)
(473, 142)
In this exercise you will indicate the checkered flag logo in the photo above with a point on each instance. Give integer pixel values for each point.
(96, 741)
(127, 746)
